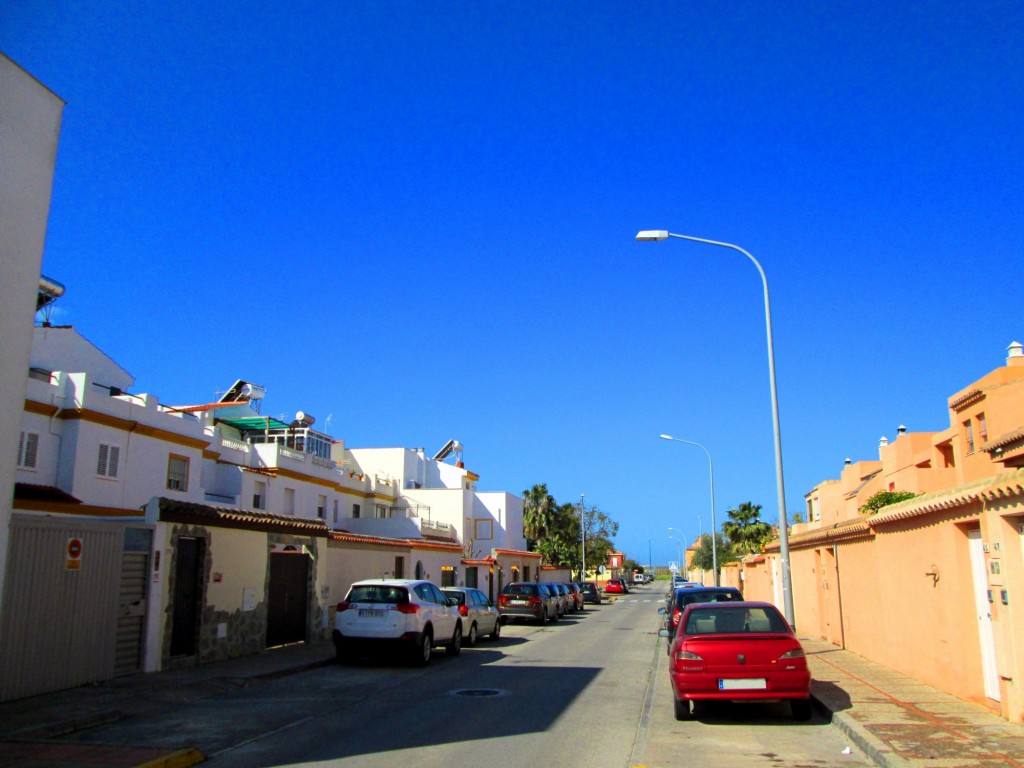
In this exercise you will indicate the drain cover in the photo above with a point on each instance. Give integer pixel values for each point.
(478, 692)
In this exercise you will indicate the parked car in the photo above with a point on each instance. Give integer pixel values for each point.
(479, 615)
(591, 594)
(562, 596)
(615, 587)
(527, 600)
(741, 651)
(575, 595)
(684, 597)
(408, 615)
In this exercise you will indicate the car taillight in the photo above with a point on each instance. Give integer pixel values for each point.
(463, 610)
(502, 599)
(796, 653)
(407, 608)
(675, 617)
(343, 606)
(688, 656)
(534, 600)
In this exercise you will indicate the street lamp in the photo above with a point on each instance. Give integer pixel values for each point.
(679, 547)
(711, 467)
(787, 590)
(583, 531)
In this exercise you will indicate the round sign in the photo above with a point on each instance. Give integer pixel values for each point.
(601, 569)
(74, 548)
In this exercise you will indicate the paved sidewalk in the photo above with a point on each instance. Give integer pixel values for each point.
(896, 720)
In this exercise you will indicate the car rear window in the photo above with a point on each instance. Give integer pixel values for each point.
(723, 620)
(520, 589)
(378, 593)
(687, 597)
(459, 596)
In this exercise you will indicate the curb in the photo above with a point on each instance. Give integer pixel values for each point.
(183, 758)
(860, 736)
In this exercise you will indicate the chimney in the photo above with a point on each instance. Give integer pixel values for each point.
(901, 430)
(884, 441)
(848, 461)
(1015, 354)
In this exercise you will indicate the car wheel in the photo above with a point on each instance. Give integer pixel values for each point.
(497, 629)
(422, 651)
(801, 709)
(471, 637)
(455, 646)
(682, 708)
(544, 617)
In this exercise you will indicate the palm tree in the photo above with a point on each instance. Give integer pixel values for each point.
(538, 513)
(745, 528)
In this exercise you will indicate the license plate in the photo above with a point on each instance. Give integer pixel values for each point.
(372, 612)
(517, 602)
(743, 684)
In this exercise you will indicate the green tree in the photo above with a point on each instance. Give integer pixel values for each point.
(884, 499)
(745, 528)
(702, 560)
(538, 514)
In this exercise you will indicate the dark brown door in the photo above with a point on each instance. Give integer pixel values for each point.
(287, 598)
(187, 594)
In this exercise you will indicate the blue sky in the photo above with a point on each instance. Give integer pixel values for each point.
(417, 219)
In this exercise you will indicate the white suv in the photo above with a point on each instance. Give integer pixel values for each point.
(407, 614)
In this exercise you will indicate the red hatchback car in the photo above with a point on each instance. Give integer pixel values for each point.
(614, 587)
(738, 652)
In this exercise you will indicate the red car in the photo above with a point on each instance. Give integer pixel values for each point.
(614, 587)
(742, 651)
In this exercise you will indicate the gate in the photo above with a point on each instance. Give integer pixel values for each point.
(287, 597)
(131, 615)
(67, 573)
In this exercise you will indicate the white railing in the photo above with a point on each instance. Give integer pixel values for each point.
(235, 445)
(291, 454)
(443, 529)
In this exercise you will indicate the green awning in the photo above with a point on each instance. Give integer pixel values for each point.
(254, 423)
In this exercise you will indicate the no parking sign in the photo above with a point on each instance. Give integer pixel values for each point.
(74, 552)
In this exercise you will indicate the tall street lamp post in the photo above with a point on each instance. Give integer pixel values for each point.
(679, 550)
(787, 590)
(711, 467)
(583, 532)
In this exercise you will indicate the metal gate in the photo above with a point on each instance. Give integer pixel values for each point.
(131, 614)
(287, 597)
(60, 609)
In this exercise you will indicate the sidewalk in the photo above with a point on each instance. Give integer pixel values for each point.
(895, 720)
(898, 721)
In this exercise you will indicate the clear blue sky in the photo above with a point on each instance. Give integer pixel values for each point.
(417, 219)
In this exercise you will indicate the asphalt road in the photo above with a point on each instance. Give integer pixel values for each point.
(589, 690)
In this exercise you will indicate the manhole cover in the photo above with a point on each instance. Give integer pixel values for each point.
(478, 692)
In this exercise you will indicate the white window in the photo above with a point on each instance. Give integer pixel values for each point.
(289, 501)
(107, 460)
(356, 511)
(321, 507)
(483, 529)
(259, 495)
(28, 449)
(177, 473)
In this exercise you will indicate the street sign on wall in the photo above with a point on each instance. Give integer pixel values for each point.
(74, 555)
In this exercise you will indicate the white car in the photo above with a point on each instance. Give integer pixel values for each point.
(478, 613)
(410, 616)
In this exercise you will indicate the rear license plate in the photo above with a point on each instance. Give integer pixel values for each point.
(372, 612)
(517, 602)
(743, 684)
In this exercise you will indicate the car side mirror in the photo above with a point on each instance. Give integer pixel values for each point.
(662, 611)
(662, 633)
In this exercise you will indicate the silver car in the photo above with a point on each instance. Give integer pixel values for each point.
(479, 615)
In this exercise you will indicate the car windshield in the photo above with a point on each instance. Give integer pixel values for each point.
(378, 593)
(722, 620)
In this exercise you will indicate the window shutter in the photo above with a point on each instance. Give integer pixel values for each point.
(101, 460)
(31, 449)
(112, 460)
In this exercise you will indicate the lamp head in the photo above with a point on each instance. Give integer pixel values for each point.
(652, 234)
(666, 437)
